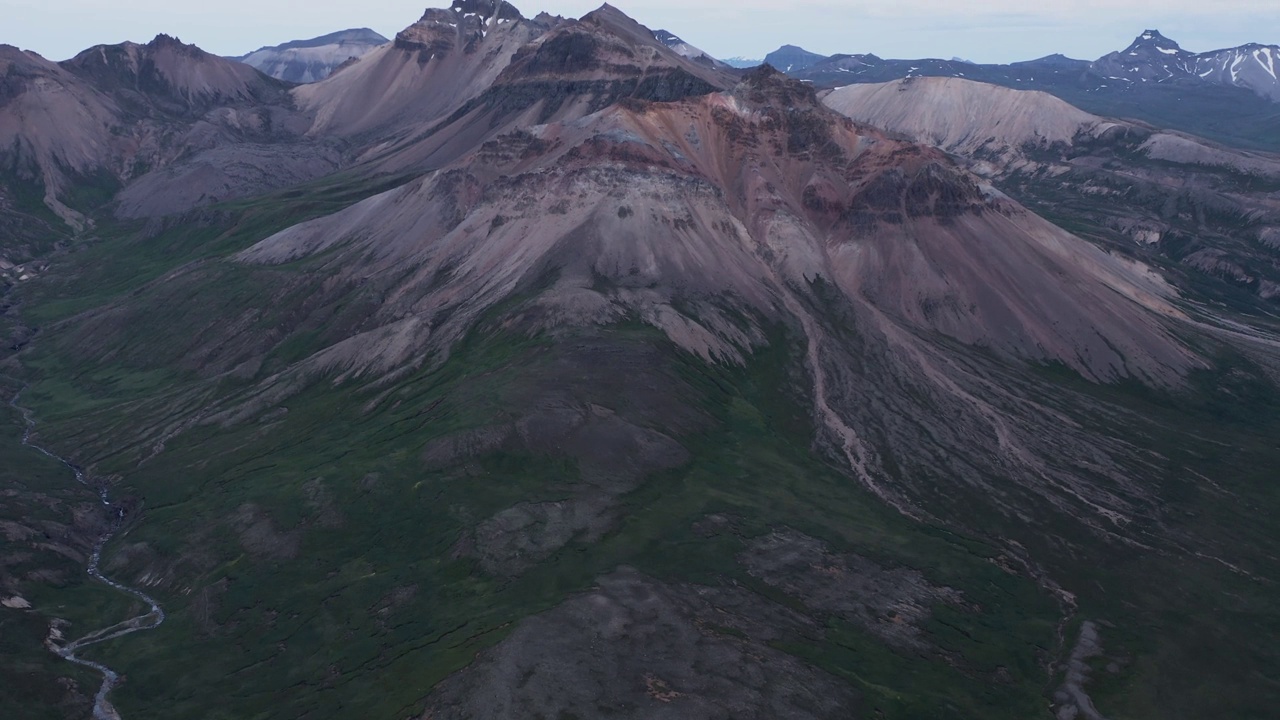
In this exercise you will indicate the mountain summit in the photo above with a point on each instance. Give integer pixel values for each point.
(1150, 58)
(790, 58)
(1152, 40)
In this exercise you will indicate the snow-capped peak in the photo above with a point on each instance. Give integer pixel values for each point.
(1153, 40)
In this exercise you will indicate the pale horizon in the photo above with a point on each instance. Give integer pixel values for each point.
(996, 31)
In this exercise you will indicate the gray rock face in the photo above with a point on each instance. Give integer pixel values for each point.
(308, 61)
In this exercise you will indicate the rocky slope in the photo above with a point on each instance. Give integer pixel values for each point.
(52, 126)
(445, 59)
(157, 128)
(308, 61)
(1160, 194)
(966, 117)
(167, 75)
(861, 195)
(569, 69)
(685, 49)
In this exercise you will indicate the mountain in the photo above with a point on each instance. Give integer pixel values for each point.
(1151, 57)
(1154, 58)
(685, 49)
(594, 380)
(448, 57)
(791, 59)
(1172, 199)
(966, 117)
(620, 133)
(179, 126)
(839, 70)
(1153, 81)
(307, 61)
(449, 82)
(741, 62)
(52, 127)
(1249, 66)
(180, 78)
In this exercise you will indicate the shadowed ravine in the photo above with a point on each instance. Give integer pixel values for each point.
(102, 708)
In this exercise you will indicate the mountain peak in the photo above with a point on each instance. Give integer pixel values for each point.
(168, 41)
(608, 14)
(487, 9)
(1153, 40)
(307, 61)
(461, 25)
(790, 58)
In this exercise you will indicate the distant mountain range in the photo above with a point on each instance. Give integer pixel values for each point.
(1228, 95)
(1151, 57)
(307, 61)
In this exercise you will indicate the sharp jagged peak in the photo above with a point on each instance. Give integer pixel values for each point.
(1153, 40)
(170, 42)
(163, 40)
(100, 54)
(484, 11)
(440, 29)
(487, 9)
(609, 16)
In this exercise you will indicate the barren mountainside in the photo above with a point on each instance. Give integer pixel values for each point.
(1160, 194)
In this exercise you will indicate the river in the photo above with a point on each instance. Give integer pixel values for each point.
(152, 619)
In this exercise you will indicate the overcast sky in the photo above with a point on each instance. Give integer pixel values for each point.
(983, 31)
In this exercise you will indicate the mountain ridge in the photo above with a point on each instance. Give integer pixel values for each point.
(1226, 96)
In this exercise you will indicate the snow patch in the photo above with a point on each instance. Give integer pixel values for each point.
(1266, 60)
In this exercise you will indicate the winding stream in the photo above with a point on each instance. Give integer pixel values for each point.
(102, 708)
